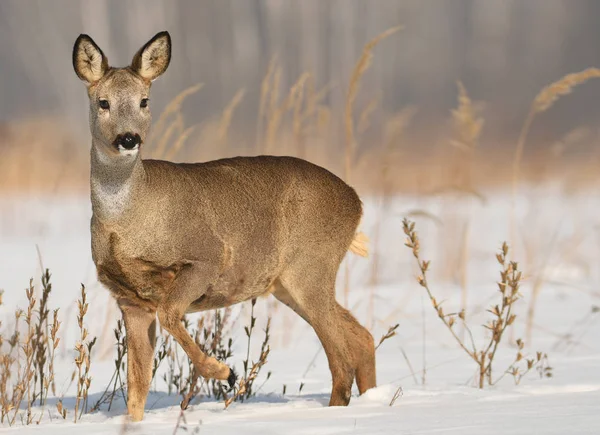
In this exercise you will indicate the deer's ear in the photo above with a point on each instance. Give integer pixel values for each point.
(153, 58)
(88, 60)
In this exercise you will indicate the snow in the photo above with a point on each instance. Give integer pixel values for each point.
(558, 245)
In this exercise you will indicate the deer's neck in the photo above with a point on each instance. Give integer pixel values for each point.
(115, 183)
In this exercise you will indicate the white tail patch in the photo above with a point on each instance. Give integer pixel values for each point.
(359, 245)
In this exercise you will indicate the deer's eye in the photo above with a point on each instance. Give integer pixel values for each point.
(144, 102)
(104, 104)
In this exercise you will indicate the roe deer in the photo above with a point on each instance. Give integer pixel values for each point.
(170, 239)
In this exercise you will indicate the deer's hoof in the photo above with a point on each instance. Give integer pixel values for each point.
(232, 378)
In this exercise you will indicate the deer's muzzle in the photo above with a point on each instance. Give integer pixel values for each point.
(127, 141)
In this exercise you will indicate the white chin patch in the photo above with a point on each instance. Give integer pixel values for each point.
(129, 152)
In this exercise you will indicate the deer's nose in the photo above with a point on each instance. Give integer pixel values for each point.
(128, 140)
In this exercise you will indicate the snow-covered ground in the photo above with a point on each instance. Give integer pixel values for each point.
(557, 245)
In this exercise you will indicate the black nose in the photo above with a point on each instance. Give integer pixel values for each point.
(128, 140)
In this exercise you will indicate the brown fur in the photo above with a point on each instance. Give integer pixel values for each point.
(174, 238)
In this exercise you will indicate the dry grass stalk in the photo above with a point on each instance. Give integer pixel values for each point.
(539, 363)
(1, 337)
(363, 64)
(468, 125)
(227, 115)
(119, 372)
(410, 367)
(539, 280)
(248, 330)
(172, 376)
(265, 91)
(164, 130)
(543, 101)
(210, 334)
(463, 268)
(25, 377)
(389, 334)
(278, 111)
(82, 360)
(174, 129)
(41, 339)
(274, 91)
(564, 86)
(323, 119)
(54, 342)
(467, 122)
(5, 366)
(246, 384)
(308, 115)
(248, 379)
(464, 191)
(502, 315)
(193, 390)
(62, 411)
(182, 424)
(174, 107)
(27, 370)
(297, 117)
(413, 243)
(399, 393)
(314, 119)
(268, 104)
(364, 120)
(181, 139)
(7, 397)
(571, 337)
(393, 131)
(216, 343)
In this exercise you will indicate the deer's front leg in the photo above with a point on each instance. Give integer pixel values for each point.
(189, 285)
(140, 326)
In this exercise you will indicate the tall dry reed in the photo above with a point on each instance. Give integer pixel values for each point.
(360, 68)
(543, 101)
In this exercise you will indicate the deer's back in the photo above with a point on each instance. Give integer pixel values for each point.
(242, 193)
(269, 202)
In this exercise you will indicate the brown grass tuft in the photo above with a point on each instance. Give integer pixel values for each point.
(502, 313)
(83, 359)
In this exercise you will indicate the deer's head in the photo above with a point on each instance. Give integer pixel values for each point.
(119, 97)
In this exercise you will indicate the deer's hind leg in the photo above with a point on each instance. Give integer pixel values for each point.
(310, 292)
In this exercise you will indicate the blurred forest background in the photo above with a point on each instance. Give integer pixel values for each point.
(503, 52)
